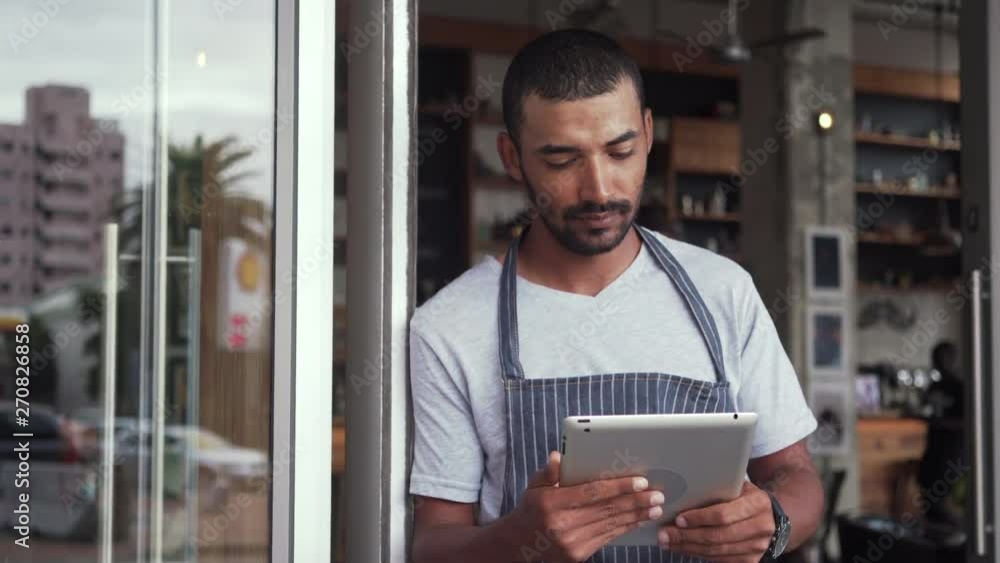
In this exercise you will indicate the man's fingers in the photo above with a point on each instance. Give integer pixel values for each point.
(549, 475)
(647, 503)
(750, 504)
(603, 526)
(599, 491)
(755, 528)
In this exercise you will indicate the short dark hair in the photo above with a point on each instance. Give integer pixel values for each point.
(566, 65)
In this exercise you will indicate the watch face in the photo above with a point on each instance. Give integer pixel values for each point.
(781, 536)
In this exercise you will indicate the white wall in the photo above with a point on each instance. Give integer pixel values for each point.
(881, 342)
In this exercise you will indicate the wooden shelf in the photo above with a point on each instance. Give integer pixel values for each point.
(915, 241)
(704, 146)
(888, 81)
(895, 189)
(508, 38)
(891, 240)
(903, 141)
(712, 218)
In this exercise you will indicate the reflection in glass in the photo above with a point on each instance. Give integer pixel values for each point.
(104, 108)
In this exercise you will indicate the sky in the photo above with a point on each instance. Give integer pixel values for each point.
(106, 46)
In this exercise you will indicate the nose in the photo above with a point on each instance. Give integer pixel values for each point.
(595, 184)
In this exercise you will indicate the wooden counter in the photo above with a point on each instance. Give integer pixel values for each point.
(889, 450)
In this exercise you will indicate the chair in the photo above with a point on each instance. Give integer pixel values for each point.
(818, 543)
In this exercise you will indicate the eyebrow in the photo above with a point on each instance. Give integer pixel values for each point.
(562, 149)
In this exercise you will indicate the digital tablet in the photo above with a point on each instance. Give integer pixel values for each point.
(695, 459)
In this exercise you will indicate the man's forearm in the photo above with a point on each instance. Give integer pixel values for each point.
(492, 543)
(798, 491)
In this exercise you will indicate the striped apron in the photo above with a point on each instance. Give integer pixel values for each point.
(536, 407)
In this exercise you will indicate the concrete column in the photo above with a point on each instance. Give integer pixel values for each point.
(797, 177)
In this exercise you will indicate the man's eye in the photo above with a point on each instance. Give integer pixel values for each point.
(561, 165)
(621, 155)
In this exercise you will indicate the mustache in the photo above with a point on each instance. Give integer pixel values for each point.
(588, 207)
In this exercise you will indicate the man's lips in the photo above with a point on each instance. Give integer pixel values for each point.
(596, 219)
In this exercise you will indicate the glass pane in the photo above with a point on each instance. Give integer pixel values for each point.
(219, 118)
(84, 105)
(75, 142)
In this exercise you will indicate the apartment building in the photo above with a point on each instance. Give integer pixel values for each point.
(59, 172)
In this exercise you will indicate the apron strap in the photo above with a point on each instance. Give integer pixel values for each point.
(510, 352)
(510, 359)
(695, 303)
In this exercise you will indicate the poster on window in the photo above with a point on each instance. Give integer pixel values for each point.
(243, 297)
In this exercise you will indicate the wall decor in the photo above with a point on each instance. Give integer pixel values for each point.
(825, 262)
(829, 403)
(825, 340)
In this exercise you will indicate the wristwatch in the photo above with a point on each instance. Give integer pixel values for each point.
(782, 531)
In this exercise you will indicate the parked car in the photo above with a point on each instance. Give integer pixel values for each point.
(215, 453)
(55, 438)
(63, 500)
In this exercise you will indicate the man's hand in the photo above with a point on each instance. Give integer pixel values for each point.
(579, 520)
(738, 531)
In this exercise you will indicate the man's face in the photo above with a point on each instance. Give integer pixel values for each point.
(584, 163)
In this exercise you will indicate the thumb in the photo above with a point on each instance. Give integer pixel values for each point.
(549, 475)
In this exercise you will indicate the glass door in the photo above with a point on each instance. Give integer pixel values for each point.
(77, 140)
(980, 74)
(137, 197)
(211, 334)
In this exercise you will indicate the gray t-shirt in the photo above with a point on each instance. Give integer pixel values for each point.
(639, 323)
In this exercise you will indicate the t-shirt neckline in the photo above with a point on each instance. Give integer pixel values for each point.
(630, 272)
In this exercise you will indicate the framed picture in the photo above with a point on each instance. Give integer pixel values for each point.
(868, 393)
(826, 340)
(829, 404)
(825, 262)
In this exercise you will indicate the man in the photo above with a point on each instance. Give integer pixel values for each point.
(583, 302)
(945, 435)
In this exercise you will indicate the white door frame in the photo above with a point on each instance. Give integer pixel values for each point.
(301, 445)
(380, 275)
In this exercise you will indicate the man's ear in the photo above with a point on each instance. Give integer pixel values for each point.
(647, 124)
(507, 150)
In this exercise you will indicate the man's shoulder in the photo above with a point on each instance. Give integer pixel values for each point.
(468, 300)
(710, 271)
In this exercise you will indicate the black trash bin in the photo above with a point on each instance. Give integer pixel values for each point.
(866, 539)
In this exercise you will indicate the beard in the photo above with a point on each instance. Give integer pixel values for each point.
(575, 236)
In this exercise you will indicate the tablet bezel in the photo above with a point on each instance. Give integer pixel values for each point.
(707, 474)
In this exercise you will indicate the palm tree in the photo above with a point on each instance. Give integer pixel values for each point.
(202, 193)
(202, 182)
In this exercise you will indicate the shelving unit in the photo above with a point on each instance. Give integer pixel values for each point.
(897, 190)
(905, 152)
(703, 159)
(907, 141)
